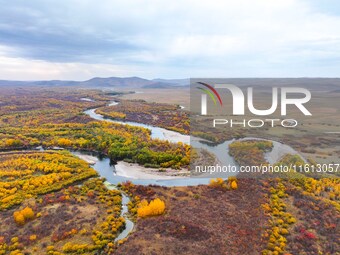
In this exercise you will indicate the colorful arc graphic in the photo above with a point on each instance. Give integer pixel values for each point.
(209, 93)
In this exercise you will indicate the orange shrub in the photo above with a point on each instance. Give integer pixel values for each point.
(33, 237)
(21, 217)
(155, 207)
(28, 213)
(233, 185)
(64, 142)
(218, 183)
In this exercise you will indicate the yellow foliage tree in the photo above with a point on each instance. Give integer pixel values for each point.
(218, 183)
(64, 142)
(233, 185)
(33, 237)
(19, 218)
(28, 213)
(155, 207)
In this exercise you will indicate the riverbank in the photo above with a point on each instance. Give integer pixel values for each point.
(175, 137)
(88, 158)
(136, 171)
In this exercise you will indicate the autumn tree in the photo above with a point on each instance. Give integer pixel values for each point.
(19, 218)
(218, 183)
(24, 215)
(28, 213)
(233, 185)
(155, 207)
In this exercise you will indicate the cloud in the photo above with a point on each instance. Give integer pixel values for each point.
(28, 69)
(171, 38)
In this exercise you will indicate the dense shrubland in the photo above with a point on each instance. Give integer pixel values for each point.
(32, 107)
(120, 142)
(250, 152)
(304, 212)
(29, 174)
(280, 219)
(55, 118)
(303, 207)
(65, 222)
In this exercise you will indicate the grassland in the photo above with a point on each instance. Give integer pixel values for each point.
(177, 96)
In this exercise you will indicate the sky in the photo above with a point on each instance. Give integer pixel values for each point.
(81, 39)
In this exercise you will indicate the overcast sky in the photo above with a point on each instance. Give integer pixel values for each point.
(81, 39)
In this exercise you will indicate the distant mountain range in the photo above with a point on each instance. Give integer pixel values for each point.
(315, 84)
(128, 82)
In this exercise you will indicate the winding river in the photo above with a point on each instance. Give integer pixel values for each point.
(115, 174)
